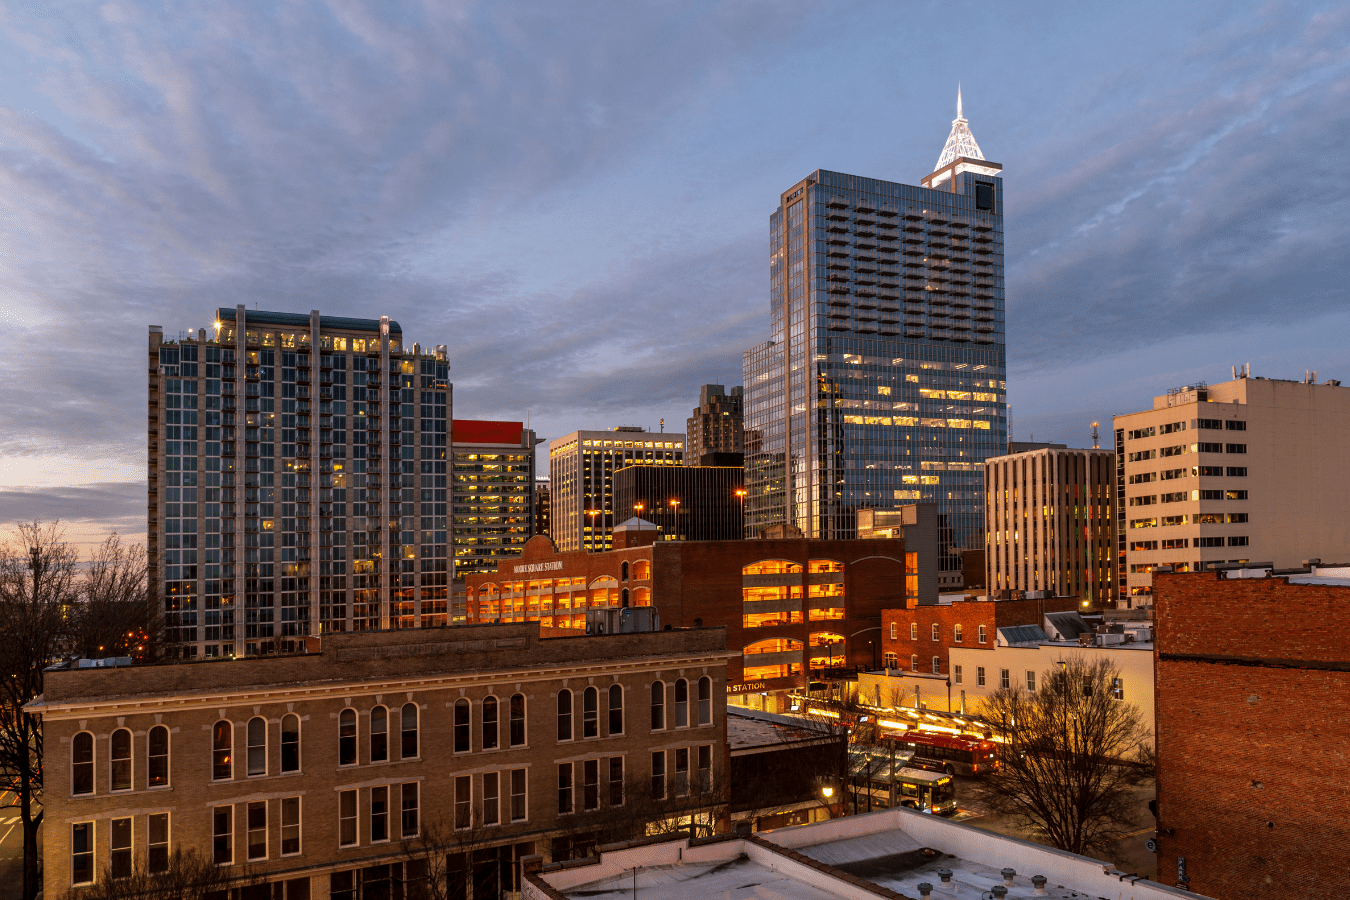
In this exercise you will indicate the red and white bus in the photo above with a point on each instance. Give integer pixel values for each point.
(950, 753)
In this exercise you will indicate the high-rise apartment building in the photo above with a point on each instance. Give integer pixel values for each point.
(883, 378)
(542, 506)
(717, 426)
(581, 469)
(1252, 469)
(297, 481)
(1048, 523)
(493, 492)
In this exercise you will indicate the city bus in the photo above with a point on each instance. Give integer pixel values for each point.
(950, 753)
(918, 789)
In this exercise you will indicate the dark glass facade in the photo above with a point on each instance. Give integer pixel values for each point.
(708, 507)
(883, 381)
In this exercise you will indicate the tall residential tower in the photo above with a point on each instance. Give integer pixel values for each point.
(883, 380)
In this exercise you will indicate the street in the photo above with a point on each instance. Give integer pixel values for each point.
(11, 849)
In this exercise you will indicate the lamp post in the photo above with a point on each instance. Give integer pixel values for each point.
(638, 508)
(740, 495)
(592, 513)
(676, 503)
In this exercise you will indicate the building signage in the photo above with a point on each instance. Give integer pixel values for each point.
(526, 568)
(747, 686)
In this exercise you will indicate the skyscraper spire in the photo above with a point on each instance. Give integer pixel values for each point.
(960, 142)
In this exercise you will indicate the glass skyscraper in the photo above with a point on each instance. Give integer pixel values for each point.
(883, 381)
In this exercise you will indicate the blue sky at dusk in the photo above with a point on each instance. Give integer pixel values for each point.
(575, 196)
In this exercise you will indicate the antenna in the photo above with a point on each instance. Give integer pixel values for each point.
(1096, 441)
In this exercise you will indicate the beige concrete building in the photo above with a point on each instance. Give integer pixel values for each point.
(1048, 523)
(1252, 469)
(313, 770)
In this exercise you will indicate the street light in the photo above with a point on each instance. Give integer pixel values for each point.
(638, 507)
(592, 513)
(740, 495)
(676, 504)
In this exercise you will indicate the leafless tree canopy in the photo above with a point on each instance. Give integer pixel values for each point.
(1063, 768)
(111, 615)
(189, 875)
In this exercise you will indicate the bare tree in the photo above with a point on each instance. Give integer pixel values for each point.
(441, 862)
(112, 615)
(1064, 768)
(37, 582)
(186, 875)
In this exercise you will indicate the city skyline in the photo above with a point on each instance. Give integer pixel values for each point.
(1166, 218)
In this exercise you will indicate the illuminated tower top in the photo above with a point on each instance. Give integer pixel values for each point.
(960, 143)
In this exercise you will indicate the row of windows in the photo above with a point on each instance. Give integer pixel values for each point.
(958, 632)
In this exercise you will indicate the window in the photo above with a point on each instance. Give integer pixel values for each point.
(1233, 425)
(461, 726)
(590, 784)
(1235, 448)
(256, 820)
(1003, 681)
(935, 631)
(1209, 542)
(564, 715)
(979, 675)
(1237, 518)
(290, 743)
(890, 660)
(379, 813)
(1171, 427)
(957, 634)
(1237, 471)
(1138, 433)
(913, 631)
(937, 665)
(222, 835)
(347, 738)
(119, 761)
(1211, 424)
(346, 818)
(658, 705)
(705, 700)
(956, 674)
(463, 802)
(590, 713)
(1179, 496)
(659, 775)
(1117, 689)
(681, 703)
(1235, 495)
(119, 855)
(257, 746)
(564, 788)
(984, 635)
(517, 720)
(490, 723)
(222, 741)
(492, 802)
(914, 662)
(1175, 544)
(1237, 541)
(616, 709)
(379, 734)
(616, 781)
(682, 772)
(157, 843)
(1208, 447)
(82, 852)
(1144, 500)
(82, 764)
(1210, 471)
(1031, 681)
(290, 826)
(1141, 455)
(704, 784)
(518, 804)
(1143, 478)
(408, 809)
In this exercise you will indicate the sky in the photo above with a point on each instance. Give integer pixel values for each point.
(574, 197)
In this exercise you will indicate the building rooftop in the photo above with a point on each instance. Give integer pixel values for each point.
(881, 854)
(750, 730)
(301, 320)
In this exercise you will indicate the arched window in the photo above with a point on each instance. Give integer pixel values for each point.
(347, 738)
(616, 709)
(408, 723)
(82, 764)
(490, 723)
(564, 715)
(379, 734)
(590, 713)
(681, 703)
(461, 726)
(658, 705)
(157, 757)
(119, 760)
(517, 720)
(624, 569)
(222, 747)
(257, 746)
(772, 567)
(956, 633)
(642, 597)
(705, 700)
(642, 570)
(623, 597)
(290, 743)
(935, 630)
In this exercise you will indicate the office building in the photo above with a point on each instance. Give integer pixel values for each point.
(581, 469)
(795, 610)
(542, 506)
(717, 425)
(493, 493)
(917, 524)
(688, 503)
(286, 456)
(1049, 523)
(1253, 718)
(883, 377)
(1251, 469)
(324, 772)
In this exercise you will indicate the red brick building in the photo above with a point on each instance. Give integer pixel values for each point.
(790, 606)
(912, 637)
(1253, 722)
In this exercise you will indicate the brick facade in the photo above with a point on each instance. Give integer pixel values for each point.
(897, 626)
(1253, 721)
(438, 673)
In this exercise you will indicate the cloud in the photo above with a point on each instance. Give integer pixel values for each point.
(120, 505)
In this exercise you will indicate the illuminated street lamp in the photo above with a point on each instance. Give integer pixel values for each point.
(592, 513)
(740, 496)
(676, 504)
